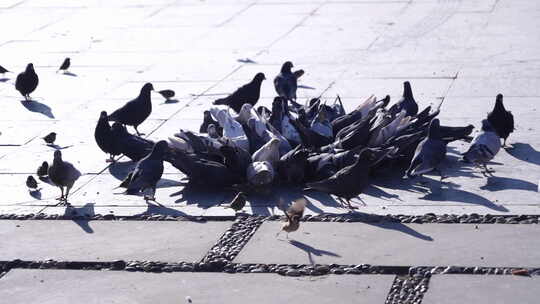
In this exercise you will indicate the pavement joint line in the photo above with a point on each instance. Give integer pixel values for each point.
(238, 13)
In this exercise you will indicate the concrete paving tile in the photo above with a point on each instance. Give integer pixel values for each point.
(445, 289)
(422, 88)
(519, 87)
(108, 240)
(65, 286)
(21, 132)
(20, 209)
(404, 244)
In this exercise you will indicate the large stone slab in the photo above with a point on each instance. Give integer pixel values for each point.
(108, 240)
(447, 289)
(396, 244)
(68, 286)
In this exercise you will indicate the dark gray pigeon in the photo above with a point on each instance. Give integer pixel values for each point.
(63, 174)
(103, 136)
(484, 147)
(285, 82)
(167, 93)
(406, 102)
(65, 65)
(148, 171)
(430, 153)
(132, 146)
(501, 119)
(134, 112)
(50, 138)
(31, 183)
(43, 170)
(248, 93)
(27, 82)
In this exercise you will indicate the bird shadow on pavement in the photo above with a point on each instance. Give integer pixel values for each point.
(35, 194)
(70, 74)
(306, 87)
(525, 152)
(169, 101)
(498, 183)
(451, 193)
(200, 196)
(4, 79)
(311, 251)
(38, 107)
(120, 170)
(161, 210)
(84, 212)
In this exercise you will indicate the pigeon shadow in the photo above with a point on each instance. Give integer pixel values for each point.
(496, 183)
(452, 194)
(306, 87)
(525, 152)
(38, 107)
(245, 60)
(70, 74)
(161, 210)
(86, 211)
(35, 194)
(4, 79)
(168, 183)
(202, 197)
(311, 251)
(120, 170)
(401, 228)
(377, 192)
(170, 101)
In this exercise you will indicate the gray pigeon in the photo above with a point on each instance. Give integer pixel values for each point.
(148, 171)
(430, 153)
(27, 82)
(134, 112)
(63, 174)
(484, 147)
(285, 82)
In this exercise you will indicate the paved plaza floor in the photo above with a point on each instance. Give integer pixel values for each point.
(460, 53)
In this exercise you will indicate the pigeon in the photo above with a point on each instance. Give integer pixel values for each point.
(483, 147)
(293, 215)
(406, 102)
(50, 138)
(65, 65)
(168, 94)
(103, 136)
(132, 146)
(429, 154)
(348, 182)
(27, 82)
(292, 166)
(248, 93)
(501, 119)
(62, 174)
(134, 112)
(285, 82)
(3, 70)
(298, 73)
(31, 183)
(209, 120)
(148, 171)
(238, 202)
(42, 170)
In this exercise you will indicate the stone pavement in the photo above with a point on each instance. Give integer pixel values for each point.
(461, 53)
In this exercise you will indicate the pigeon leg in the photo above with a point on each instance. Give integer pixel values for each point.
(138, 134)
(443, 177)
(486, 172)
(349, 204)
(110, 159)
(67, 193)
(61, 198)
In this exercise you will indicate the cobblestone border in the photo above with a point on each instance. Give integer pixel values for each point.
(427, 218)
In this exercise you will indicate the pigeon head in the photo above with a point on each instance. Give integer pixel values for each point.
(159, 150)
(286, 67)
(147, 88)
(486, 126)
(499, 103)
(103, 115)
(30, 67)
(57, 155)
(407, 91)
(434, 131)
(212, 132)
(259, 77)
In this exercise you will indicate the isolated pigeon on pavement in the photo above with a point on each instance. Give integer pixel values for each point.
(501, 119)
(27, 82)
(148, 171)
(484, 147)
(134, 112)
(3, 70)
(430, 152)
(285, 82)
(50, 138)
(31, 183)
(65, 65)
(406, 102)
(293, 216)
(248, 93)
(63, 174)
(43, 170)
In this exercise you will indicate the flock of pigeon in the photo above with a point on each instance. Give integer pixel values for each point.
(316, 145)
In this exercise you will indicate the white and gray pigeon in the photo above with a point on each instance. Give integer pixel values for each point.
(63, 174)
(148, 171)
(286, 82)
(484, 147)
(430, 153)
